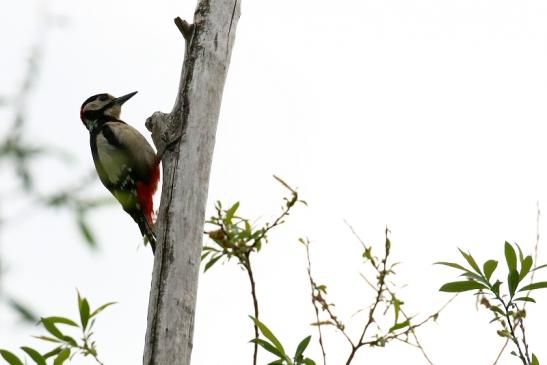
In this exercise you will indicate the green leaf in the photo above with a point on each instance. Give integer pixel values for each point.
(461, 286)
(51, 328)
(34, 355)
(46, 338)
(535, 360)
(247, 228)
(513, 281)
(367, 253)
(211, 262)
(62, 357)
(84, 312)
(497, 309)
(400, 325)
(101, 308)
(49, 325)
(521, 256)
(489, 267)
(269, 347)
(452, 264)
(70, 340)
(268, 334)
(62, 320)
(10, 357)
(471, 261)
(53, 352)
(230, 212)
(396, 307)
(510, 257)
(496, 287)
(301, 348)
(205, 254)
(475, 277)
(540, 285)
(86, 232)
(525, 299)
(308, 361)
(526, 265)
(25, 312)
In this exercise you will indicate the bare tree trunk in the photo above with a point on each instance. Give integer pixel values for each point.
(186, 167)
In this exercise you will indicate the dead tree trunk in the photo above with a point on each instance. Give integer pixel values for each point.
(186, 167)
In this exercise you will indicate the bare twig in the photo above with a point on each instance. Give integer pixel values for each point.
(409, 329)
(501, 351)
(319, 301)
(536, 248)
(285, 212)
(314, 303)
(382, 269)
(247, 265)
(526, 353)
(379, 293)
(413, 332)
(355, 234)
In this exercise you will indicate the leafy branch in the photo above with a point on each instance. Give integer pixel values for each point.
(66, 346)
(235, 237)
(507, 306)
(274, 346)
(385, 297)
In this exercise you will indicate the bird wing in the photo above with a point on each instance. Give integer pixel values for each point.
(125, 155)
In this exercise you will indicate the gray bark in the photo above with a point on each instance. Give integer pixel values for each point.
(186, 167)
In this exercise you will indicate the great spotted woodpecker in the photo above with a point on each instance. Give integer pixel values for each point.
(125, 162)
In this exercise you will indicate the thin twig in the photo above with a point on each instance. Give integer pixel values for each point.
(279, 220)
(411, 328)
(526, 353)
(536, 247)
(380, 290)
(412, 332)
(501, 351)
(355, 234)
(241, 248)
(317, 297)
(89, 351)
(382, 272)
(248, 268)
(312, 286)
(512, 330)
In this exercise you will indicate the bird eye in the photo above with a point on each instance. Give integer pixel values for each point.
(103, 98)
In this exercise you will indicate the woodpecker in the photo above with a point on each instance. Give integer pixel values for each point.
(126, 163)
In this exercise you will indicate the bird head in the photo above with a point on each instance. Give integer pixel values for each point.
(102, 106)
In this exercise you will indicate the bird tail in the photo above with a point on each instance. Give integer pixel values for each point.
(145, 220)
(147, 231)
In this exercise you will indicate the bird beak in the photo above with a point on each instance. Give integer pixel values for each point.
(123, 99)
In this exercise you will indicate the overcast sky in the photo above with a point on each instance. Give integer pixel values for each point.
(426, 116)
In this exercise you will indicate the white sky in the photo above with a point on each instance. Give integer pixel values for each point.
(427, 116)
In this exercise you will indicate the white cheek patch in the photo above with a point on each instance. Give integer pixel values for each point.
(94, 105)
